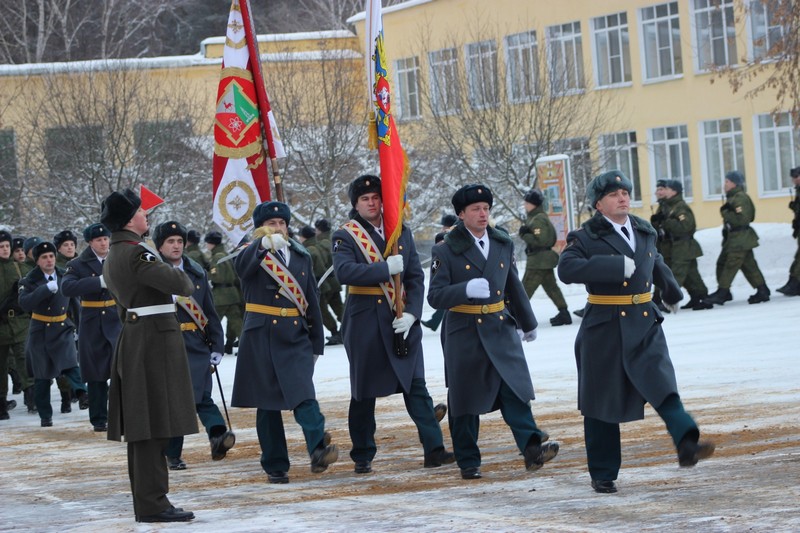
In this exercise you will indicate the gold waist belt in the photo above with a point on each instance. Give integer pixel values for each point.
(188, 326)
(628, 299)
(479, 309)
(364, 291)
(46, 318)
(270, 310)
(101, 303)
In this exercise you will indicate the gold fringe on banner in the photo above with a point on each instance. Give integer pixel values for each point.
(372, 128)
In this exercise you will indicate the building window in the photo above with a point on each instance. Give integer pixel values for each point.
(619, 151)
(778, 143)
(8, 160)
(580, 157)
(444, 81)
(766, 31)
(63, 143)
(670, 147)
(612, 49)
(714, 33)
(481, 63)
(565, 58)
(407, 70)
(723, 151)
(661, 41)
(522, 67)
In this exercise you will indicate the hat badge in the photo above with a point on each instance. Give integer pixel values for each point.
(619, 179)
(275, 208)
(366, 183)
(173, 226)
(480, 191)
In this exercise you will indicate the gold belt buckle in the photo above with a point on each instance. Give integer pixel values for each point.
(635, 298)
(484, 309)
(284, 312)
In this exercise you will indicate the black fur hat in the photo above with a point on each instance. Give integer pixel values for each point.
(168, 229)
(267, 210)
(119, 208)
(470, 194)
(363, 185)
(94, 231)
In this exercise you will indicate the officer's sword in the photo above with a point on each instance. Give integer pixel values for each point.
(325, 276)
(222, 395)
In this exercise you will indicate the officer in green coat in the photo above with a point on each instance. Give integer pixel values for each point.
(539, 235)
(676, 226)
(226, 292)
(330, 295)
(792, 287)
(14, 323)
(738, 241)
(150, 399)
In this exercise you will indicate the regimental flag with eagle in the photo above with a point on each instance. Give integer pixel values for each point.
(241, 180)
(383, 133)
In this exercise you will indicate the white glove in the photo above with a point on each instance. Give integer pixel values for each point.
(315, 358)
(52, 285)
(630, 266)
(403, 324)
(529, 336)
(103, 282)
(274, 242)
(478, 288)
(395, 263)
(673, 308)
(216, 358)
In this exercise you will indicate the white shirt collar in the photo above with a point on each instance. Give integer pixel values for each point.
(627, 225)
(485, 240)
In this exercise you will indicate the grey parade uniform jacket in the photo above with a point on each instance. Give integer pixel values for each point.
(480, 350)
(275, 364)
(375, 371)
(621, 351)
(99, 327)
(51, 345)
(151, 391)
(197, 350)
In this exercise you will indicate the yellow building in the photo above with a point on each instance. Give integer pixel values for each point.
(651, 56)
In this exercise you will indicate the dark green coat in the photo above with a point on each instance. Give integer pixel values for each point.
(322, 259)
(194, 253)
(223, 279)
(539, 237)
(679, 226)
(794, 205)
(151, 390)
(14, 320)
(737, 214)
(621, 351)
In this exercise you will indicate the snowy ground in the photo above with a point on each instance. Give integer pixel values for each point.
(737, 371)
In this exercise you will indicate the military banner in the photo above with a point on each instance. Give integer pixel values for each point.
(393, 160)
(241, 180)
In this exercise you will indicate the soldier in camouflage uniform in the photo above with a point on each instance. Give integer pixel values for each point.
(194, 252)
(13, 328)
(738, 241)
(539, 235)
(226, 292)
(792, 287)
(657, 220)
(675, 224)
(331, 290)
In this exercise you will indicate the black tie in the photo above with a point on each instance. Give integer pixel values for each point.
(481, 244)
(625, 231)
(49, 278)
(283, 256)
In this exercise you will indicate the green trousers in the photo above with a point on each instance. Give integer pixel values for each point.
(687, 275)
(730, 262)
(534, 277)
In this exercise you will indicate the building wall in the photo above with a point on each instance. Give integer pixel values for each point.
(687, 99)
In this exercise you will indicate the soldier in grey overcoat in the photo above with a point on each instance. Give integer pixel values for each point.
(621, 351)
(369, 327)
(473, 275)
(204, 344)
(280, 341)
(50, 350)
(150, 398)
(99, 324)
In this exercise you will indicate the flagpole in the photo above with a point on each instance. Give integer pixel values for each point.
(261, 92)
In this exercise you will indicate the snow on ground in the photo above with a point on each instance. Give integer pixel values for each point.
(737, 372)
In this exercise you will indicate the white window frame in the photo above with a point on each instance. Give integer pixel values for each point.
(713, 163)
(619, 147)
(408, 91)
(480, 60)
(785, 159)
(764, 31)
(444, 100)
(706, 10)
(672, 22)
(619, 33)
(567, 40)
(675, 141)
(522, 87)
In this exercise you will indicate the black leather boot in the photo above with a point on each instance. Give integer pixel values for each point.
(66, 402)
(761, 295)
